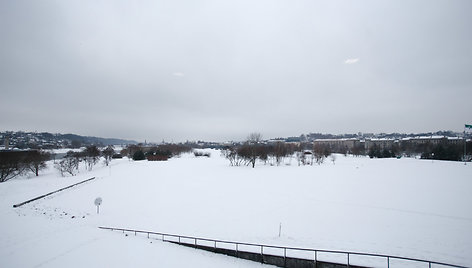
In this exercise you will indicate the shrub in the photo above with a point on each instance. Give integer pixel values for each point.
(199, 154)
(138, 155)
(117, 156)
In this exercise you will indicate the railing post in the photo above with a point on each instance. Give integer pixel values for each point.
(134, 233)
(388, 262)
(285, 257)
(163, 237)
(348, 260)
(179, 239)
(195, 242)
(262, 253)
(215, 244)
(316, 259)
(237, 250)
(429, 264)
(148, 235)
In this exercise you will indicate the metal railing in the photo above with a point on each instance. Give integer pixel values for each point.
(237, 247)
(48, 194)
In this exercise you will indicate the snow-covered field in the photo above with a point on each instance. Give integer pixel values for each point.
(405, 207)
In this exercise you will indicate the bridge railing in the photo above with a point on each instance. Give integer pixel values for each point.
(280, 251)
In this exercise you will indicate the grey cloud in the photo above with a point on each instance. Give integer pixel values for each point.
(220, 69)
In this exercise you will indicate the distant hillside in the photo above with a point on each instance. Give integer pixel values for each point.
(96, 140)
(46, 140)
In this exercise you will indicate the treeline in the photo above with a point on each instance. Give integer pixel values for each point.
(275, 154)
(161, 152)
(89, 156)
(248, 153)
(442, 150)
(308, 153)
(15, 163)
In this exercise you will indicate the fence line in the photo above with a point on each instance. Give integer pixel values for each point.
(262, 246)
(48, 194)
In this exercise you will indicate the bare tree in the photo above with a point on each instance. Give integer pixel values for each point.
(36, 161)
(10, 165)
(108, 154)
(318, 153)
(232, 154)
(254, 138)
(253, 142)
(68, 164)
(244, 153)
(92, 155)
(280, 150)
(78, 157)
(14, 163)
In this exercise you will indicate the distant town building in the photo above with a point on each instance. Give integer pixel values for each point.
(345, 145)
(7, 143)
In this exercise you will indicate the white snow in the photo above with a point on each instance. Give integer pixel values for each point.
(405, 207)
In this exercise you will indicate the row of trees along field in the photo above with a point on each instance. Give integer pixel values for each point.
(439, 151)
(309, 153)
(89, 156)
(276, 153)
(16, 163)
(138, 152)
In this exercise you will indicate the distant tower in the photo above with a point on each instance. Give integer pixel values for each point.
(7, 143)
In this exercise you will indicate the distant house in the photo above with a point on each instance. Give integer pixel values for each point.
(344, 145)
(381, 143)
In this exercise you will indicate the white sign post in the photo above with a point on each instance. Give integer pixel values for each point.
(98, 202)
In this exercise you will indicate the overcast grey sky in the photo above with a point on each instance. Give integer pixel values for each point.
(218, 70)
